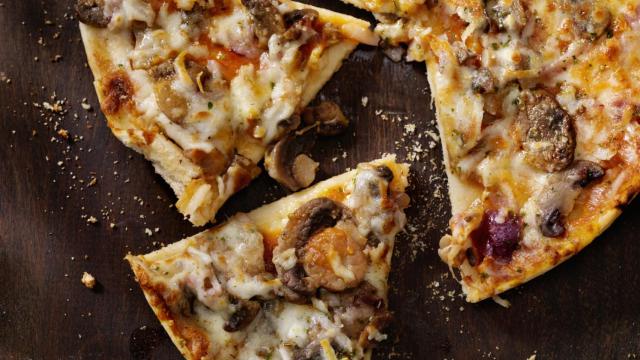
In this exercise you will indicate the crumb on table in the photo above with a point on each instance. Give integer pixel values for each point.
(88, 280)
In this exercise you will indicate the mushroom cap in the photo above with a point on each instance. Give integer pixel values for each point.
(91, 12)
(320, 247)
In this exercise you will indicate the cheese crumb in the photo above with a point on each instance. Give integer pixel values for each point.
(88, 280)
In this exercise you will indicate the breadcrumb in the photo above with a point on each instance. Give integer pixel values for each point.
(88, 280)
(63, 133)
(85, 105)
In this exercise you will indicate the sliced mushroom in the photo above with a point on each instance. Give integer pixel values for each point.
(171, 103)
(550, 139)
(483, 81)
(244, 313)
(464, 55)
(163, 71)
(355, 307)
(558, 197)
(506, 15)
(193, 19)
(91, 12)
(212, 163)
(320, 247)
(287, 163)
(199, 74)
(328, 117)
(267, 20)
(312, 351)
(591, 20)
(315, 351)
(299, 22)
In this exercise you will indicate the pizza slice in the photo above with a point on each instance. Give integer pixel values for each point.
(203, 87)
(304, 277)
(538, 107)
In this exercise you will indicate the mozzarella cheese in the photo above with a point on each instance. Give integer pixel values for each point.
(203, 280)
(206, 91)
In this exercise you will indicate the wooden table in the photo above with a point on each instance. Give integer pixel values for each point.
(587, 308)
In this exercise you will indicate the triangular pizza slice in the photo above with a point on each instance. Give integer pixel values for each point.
(203, 87)
(538, 105)
(304, 277)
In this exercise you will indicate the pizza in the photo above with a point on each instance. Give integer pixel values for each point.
(203, 87)
(538, 107)
(304, 277)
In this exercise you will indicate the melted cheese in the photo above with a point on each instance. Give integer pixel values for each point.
(203, 118)
(584, 53)
(224, 265)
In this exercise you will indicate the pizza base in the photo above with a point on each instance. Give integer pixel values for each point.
(269, 220)
(430, 30)
(107, 51)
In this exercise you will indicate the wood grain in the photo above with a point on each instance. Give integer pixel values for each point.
(587, 308)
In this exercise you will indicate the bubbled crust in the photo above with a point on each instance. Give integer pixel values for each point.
(118, 92)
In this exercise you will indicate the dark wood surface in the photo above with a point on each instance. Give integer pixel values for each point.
(587, 308)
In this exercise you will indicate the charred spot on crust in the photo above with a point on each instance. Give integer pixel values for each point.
(196, 341)
(118, 90)
(91, 12)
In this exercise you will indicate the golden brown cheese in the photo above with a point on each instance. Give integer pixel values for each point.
(218, 296)
(187, 84)
(537, 105)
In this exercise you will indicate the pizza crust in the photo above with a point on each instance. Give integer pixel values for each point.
(155, 271)
(472, 73)
(108, 54)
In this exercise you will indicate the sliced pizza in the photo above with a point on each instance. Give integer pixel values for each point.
(304, 277)
(203, 87)
(538, 105)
